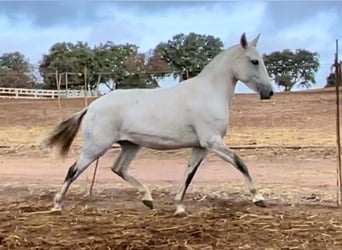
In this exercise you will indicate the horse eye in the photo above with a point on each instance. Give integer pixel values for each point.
(255, 62)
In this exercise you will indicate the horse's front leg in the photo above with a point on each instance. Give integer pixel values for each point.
(197, 156)
(218, 147)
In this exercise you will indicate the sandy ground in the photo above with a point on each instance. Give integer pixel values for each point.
(295, 171)
(46, 171)
(301, 212)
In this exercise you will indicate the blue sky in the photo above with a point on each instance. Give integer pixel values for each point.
(33, 26)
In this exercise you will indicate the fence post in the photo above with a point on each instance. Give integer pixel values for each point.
(58, 83)
(66, 84)
(338, 140)
(85, 87)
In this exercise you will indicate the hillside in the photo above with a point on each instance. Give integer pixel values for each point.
(289, 119)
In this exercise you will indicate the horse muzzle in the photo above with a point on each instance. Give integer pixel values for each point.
(266, 94)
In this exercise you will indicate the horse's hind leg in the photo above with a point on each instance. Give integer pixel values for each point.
(128, 152)
(74, 171)
(86, 158)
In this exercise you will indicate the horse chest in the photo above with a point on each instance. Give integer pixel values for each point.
(222, 125)
(215, 118)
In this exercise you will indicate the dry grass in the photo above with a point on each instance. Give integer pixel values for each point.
(116, 220)
(26, 141)
(295, 119)
(11, 136)
(280, 136)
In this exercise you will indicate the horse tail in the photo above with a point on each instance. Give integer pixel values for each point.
(64, 133)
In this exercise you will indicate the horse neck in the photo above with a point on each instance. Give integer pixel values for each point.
(217, 77)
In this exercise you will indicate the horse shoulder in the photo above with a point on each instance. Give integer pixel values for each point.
(209, 118)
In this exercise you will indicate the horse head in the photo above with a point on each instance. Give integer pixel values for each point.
(250, 69)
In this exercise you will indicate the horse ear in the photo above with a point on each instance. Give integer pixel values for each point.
(243, 40)
(255, 41)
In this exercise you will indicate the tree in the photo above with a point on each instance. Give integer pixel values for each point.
(145, 70)
(121, 64)
(67, 58)
(188, 54)
(335, 73)
(113, 60)
(16, 71)
(331, 80)
(289, 69)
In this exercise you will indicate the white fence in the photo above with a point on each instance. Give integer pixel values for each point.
(44, 94)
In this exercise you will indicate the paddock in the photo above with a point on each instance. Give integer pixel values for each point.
(288, 144)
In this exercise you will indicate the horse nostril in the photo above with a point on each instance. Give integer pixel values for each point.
(266, 94)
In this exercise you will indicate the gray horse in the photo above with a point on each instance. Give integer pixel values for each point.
(194, 113)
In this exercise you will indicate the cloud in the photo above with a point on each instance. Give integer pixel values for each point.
(35, 42)
(131, 25)
(284, 14)
(315, 33)
(50, 13)
(148, 30)
(33, 27)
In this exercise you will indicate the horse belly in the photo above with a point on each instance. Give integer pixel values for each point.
(163, 142)
(156, 138)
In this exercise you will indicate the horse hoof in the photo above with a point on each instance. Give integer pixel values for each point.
(181, 214)
(56, 210)
(148, 203)
(260, 203)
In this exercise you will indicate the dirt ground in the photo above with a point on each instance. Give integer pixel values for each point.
(301, 212)
(293, 166)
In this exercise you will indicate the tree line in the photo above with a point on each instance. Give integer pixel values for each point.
(182, 56)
